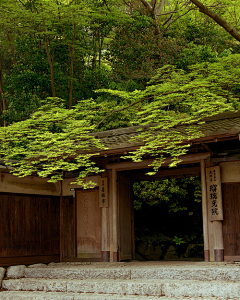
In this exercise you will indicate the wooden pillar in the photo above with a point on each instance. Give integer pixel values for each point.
(114, 216)
(218, 241)
(205, 212)
(110, 216)
(214, 201)
(105, 184)
(61, 246)
(105, 235)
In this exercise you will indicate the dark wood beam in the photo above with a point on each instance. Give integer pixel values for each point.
(163, 174)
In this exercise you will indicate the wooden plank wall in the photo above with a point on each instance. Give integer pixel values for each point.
(29, 229)
(231, 223)
(89, 224)
(68, 221)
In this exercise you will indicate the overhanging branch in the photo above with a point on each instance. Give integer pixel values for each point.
(223, 23)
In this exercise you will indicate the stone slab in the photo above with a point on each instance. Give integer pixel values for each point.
(16, 271)
(120, 287)
(75, 296)
(53, 285)
(77, 273)
(169, 288)
(2, 272)
(207, 289)
(72, 296)
(68, 271)
(183, 273)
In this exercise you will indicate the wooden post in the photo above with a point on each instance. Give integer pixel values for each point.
(104, 186)
(218, 241)
(61, 225)
(110, 215)
(215, 213)
(205, 212)
(105, 235)
(114, 216)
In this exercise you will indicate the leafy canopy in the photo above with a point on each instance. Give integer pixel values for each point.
(55, 140)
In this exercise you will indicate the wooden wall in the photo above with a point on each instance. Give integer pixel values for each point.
(29, 229)
(231, 223)
(68, 220)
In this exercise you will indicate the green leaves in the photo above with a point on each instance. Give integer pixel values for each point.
(172, 107)
(176, 101)
(50, 143)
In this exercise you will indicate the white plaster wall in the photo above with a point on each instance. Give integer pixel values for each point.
(230, 171)
(28, 185)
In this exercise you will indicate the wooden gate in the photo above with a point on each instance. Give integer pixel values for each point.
(125, 218)
(231, 222)
(29, 229)
(89, 224)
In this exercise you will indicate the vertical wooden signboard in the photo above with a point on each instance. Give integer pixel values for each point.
(103, 192)
(214, 194)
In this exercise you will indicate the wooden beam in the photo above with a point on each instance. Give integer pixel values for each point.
(232, 258)
(29, 260)
(218, 241)
(110, 215)
(205, 211)
(189, 158)
(105, 234)
(114, 216)
(141, 175)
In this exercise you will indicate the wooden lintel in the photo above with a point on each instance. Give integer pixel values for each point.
(194, 171)
(189, 158)
(222, 159)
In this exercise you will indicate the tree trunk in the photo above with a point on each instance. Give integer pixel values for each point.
(155, 11)
(50, 66)
(205, 10)
(50, 61)
(11, 49)
(71, 68)
(4, 103)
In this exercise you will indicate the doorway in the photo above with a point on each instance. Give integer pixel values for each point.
(160, 219)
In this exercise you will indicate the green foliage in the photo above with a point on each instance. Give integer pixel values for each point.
(176, 101)
(168, 191)
(171, 107)
(178, 240)
(50, 143)
(72, 48)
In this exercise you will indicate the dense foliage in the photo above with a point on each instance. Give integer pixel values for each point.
(71, 68)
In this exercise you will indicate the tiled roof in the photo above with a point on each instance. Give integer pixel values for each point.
(226, 123)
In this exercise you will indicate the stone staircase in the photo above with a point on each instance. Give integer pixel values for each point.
(125, 281)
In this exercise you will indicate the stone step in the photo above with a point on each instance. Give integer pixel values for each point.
(172, 288)
(76, 296)
(222, 273)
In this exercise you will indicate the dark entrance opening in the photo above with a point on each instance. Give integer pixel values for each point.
(168, 214)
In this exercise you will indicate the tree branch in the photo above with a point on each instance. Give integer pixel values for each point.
(147, 5)
(121, 109)
(105, 2)
(176, 19)
(223, 23)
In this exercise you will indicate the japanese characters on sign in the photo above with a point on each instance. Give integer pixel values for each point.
(214, 194)
(103, 192)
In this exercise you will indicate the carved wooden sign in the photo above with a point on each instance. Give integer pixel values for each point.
(103, 192)
(214, 194)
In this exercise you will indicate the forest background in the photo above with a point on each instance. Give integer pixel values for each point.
(69, 68)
